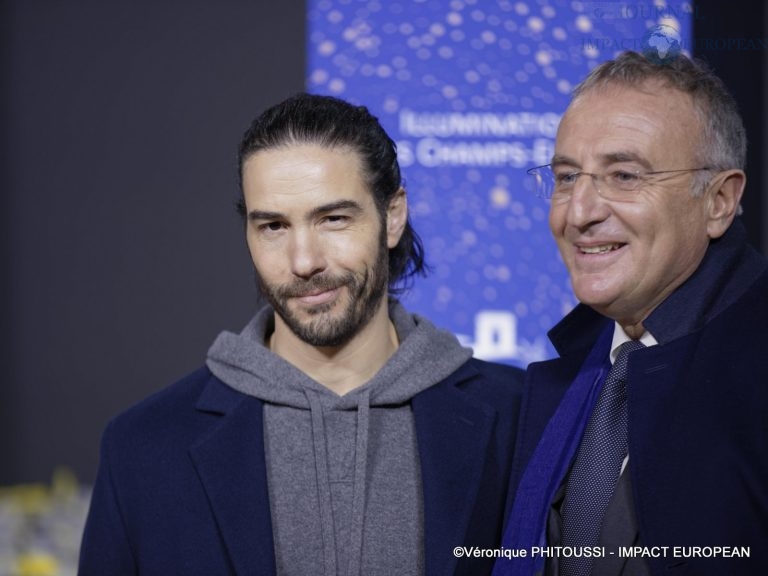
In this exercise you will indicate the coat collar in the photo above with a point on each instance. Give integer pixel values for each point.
(453, 431)
(729, 267)
(232, 468)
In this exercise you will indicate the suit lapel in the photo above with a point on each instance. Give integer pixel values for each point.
(657, 399)
(453, 432)
(231, 465)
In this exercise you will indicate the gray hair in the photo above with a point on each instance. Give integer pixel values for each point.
(723, 139)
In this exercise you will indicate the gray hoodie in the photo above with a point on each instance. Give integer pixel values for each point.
(343, 471)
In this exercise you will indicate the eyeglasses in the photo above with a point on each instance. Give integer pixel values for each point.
(557, 183)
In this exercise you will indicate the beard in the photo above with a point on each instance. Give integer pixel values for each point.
(322, 328)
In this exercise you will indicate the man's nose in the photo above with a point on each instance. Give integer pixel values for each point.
(586, 206)
(307, 254)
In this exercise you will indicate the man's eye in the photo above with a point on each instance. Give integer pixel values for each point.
(271, 226)
(624, 177)
(566, 178)
(336, 219)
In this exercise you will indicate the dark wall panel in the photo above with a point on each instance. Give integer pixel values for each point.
(123, 256)
(730, 41)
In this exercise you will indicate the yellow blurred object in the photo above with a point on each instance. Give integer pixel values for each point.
(41, 526)
(36, 564)
(64, 484)
(29, 498)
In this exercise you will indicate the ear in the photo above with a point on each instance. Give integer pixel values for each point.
(397, 217)
(724, 201)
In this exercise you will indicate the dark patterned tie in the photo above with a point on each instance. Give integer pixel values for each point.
(596, 469)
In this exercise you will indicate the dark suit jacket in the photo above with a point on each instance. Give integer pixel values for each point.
(182, 483)
(698, 432)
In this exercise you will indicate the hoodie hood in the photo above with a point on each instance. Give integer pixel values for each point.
(426, 355)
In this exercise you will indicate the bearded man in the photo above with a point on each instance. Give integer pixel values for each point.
(337, 434)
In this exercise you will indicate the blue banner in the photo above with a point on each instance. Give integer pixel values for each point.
(472, 92)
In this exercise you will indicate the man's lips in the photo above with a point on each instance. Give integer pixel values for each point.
(316, 297)
(599, 248)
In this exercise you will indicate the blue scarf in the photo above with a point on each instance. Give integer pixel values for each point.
(527, 523)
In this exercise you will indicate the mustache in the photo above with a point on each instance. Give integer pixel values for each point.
(319, 283)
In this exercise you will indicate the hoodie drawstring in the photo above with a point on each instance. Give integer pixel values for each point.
(324, 486)
(323, 482)
(358, 499)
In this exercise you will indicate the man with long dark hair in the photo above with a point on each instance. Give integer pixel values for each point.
(337, 434)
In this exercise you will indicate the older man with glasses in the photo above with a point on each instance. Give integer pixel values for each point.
(644, 446)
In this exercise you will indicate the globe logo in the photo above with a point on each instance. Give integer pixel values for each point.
(661, 44)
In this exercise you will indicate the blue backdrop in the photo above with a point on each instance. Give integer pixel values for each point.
(472, 92)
